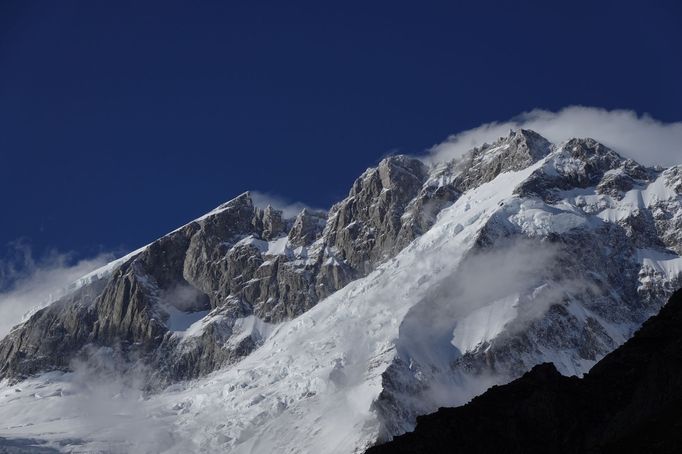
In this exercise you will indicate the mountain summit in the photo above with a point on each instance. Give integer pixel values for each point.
(328, 332)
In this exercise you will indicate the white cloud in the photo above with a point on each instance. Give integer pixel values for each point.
(289, 209)
(642, 138)
(27, 284)
(102, 404)
(495, 291)
(520, 265)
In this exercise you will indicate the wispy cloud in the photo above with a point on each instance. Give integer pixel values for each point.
(289, 209)
(639, 137)
(28, 284)
(519, 265)
(497, 291)
(102, 404)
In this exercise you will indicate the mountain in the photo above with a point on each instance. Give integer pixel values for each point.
(628, 402)
(238, 262)
(250, 332)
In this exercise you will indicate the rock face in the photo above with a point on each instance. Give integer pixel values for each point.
(628, 402)
(364, 228)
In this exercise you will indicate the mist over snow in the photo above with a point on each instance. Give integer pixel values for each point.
(492, 291)
(519, 266)
(102, 397)
(639, 137)
(28, 284)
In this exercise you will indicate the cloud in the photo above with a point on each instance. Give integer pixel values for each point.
(28, 284)
(289, 209)
(496, 291)
(107, 389)
(103, 404)
(639, 137)
(513, 267)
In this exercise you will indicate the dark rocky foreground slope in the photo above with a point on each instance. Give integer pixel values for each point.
(629, 402)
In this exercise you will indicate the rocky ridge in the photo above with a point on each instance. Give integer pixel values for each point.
(235, 262)
(240, 261)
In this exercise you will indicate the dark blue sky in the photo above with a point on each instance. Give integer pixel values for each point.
(121, 120)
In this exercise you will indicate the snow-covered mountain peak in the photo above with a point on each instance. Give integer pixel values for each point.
(518, 150)
(421, 288)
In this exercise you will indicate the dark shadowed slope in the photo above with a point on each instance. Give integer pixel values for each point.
(629, 402)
